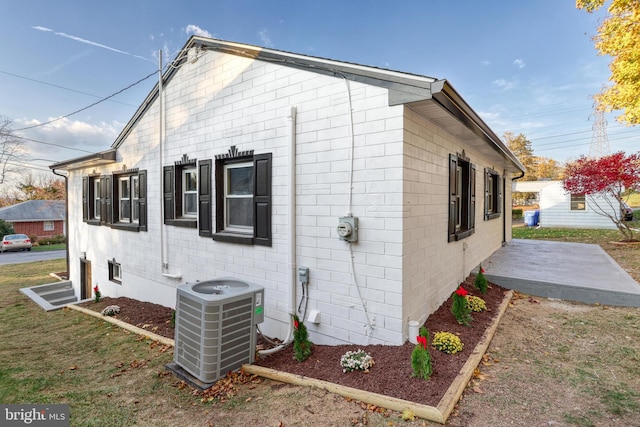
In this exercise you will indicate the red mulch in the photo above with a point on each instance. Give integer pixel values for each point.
(391, 374)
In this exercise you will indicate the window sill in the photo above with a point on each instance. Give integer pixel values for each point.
(126, 226)
(491, 216)
(243, 239)
(119, 282)
(186, 223)
(461, 235)
(94, 222)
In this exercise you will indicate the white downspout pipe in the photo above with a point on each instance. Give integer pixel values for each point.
(293, 277)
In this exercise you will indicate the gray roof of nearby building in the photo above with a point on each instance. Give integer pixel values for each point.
(34, 210)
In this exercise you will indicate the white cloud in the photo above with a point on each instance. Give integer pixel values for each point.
(197, 31)
(519, 63)
(265, 38)
(505, 84)
(39, 28)
(485, 62)
(66, 139)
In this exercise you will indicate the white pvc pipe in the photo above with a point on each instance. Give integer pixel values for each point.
(292, 234)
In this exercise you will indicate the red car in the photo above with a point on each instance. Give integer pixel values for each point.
(15, 242)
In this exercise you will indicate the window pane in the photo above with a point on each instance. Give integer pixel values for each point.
(190, 181)
(190, 204)
(240, 181)
(125, 207)
(136, 187)
(577, 202)
(124, 188)
(239, 212)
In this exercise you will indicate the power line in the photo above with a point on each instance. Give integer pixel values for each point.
(52, 144)
(62, 87)
(89, 106)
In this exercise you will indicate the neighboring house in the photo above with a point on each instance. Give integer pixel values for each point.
(244, 166)
(561, 209)
(41, 218)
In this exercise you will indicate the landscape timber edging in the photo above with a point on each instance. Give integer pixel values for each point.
(437, 414)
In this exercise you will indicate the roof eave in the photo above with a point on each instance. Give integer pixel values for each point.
(95, 159)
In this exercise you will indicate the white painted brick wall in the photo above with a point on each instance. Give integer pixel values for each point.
(403, 264)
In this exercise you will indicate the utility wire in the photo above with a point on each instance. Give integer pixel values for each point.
(89, 106)
(62, 87)
(52, 144)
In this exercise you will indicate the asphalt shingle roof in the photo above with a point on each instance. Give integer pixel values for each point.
(34, 210)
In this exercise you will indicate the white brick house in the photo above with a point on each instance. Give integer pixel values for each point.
(243, 166)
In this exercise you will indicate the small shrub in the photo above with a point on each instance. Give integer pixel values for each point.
(516, 214)
(447, 342)
(301, 344)
(420, 357)
(480, 282)
(476, 304)
(459, 308)
(358, 360)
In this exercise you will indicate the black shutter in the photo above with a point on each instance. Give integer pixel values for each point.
(498, 195)
(262, 199)
(105, 202)
(85, 198)
(167, 185)
(453, 208)
(472, 197)
(142, 200)
(204, 198)
(487, 184)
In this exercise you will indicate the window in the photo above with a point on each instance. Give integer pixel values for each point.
(243, 198)
(115, 272)
(492, 194)
(578, 202)
(97, 190)
(48, 226)
(187, 194)
(129, 194)
(462, 197)
(129, 190)
(238, 197)
(96, 199)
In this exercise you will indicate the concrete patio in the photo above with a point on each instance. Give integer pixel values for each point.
(568, 271)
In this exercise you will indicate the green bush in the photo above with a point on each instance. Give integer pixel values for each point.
(5, 228)
(516, 213)
(53, 240)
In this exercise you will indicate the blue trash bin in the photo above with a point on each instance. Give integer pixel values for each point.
(531, 218)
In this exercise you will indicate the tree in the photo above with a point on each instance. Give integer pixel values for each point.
(521, 147)
(11, 149)
(42, 187)
(5, 228)
(619, 37)
(547, 168)
(604, 181)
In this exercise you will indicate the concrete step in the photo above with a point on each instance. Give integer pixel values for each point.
(63, 300)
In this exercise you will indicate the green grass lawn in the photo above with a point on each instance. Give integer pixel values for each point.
(55, 247)
(108, 376)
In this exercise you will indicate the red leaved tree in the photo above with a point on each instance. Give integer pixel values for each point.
(604, 181)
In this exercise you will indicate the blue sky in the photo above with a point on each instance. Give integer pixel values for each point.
(524, 66)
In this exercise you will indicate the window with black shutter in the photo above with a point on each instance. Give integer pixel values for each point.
(186, 189)
(129, 205)
(243, 198)
(462, 197)
(492, 194)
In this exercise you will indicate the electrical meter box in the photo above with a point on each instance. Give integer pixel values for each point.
(348, 228)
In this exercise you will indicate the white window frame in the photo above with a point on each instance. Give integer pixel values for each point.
(48, 226)
(227, 196)
(124, 215)
(186, 172)
(97, 194)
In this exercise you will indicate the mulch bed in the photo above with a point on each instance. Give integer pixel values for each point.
(391, 374)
